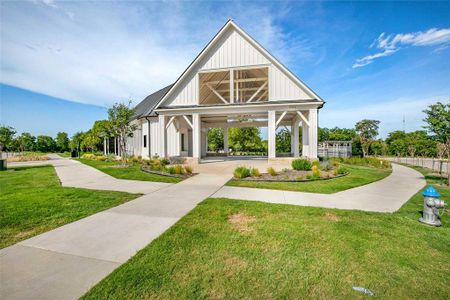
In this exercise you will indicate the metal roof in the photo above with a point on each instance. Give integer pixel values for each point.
(146, 106)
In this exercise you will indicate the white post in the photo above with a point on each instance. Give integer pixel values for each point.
(294, 138)
(104, 146)
(271, 128)
(196, 136)
(162, 135)
(225, 141)
(115, 146)
(204, 141)
(231, 86)
(312, 133)
(305, 139)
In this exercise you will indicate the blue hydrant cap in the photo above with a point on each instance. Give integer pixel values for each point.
(430, 191)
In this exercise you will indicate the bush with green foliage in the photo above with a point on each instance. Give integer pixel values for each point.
(367, 162)
(241, 172)
(170, 169)
(301, 164)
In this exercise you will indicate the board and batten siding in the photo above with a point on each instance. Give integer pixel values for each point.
(233, 50)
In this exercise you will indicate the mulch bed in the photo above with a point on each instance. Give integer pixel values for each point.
(293, 175)
(182, 176)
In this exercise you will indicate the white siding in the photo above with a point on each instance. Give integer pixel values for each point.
(155, 143)
(233, 50)
(281, 87)
(173, 141)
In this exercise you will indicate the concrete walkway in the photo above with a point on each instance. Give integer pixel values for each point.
(72, 173)
(386, 195)
(65, 262)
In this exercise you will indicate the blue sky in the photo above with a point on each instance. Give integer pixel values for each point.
(63, 62)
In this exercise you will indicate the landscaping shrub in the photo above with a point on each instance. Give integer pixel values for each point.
(317, 164)
(188, 169)
(88, 156)
(272, 171)
(326, 165)
(170, 170)
(367, 162)
(301, 164)
(179, 169)
(255, 172)
(340, 170)
(164, 161)
(110, 157)
(100, 158)
(315, 171)
(241, 172)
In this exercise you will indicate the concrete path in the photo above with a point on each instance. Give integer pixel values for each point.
(386, 195)
(72, 173)
(65, 262)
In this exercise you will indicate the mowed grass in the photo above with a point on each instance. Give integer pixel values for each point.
(357, 176)
(230, 249)
(32, 201)
(132, 172)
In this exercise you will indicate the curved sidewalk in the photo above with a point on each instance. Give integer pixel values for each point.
(386, 195)
(73, 173)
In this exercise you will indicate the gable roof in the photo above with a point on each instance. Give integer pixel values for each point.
(231, 24)
(146, 106)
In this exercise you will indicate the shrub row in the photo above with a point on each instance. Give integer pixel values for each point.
(366, 162)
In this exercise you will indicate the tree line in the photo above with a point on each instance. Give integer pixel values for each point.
(433, 141)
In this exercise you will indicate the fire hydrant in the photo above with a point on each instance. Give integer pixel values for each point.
(431, 204)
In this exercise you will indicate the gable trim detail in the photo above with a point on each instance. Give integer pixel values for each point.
(231, 24)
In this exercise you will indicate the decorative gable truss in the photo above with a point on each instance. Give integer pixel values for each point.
(234, 68)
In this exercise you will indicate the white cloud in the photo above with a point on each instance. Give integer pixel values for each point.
(103, 52)
(392, 43)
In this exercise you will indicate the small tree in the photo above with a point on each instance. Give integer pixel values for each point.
(6, 137)
(283, 141)
(438, 124)
(120, 116)
(62, 141)
(45, 143)
(216, 138)
(25, 142)
(367, 130)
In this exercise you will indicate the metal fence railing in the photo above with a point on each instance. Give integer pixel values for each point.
(438, 165)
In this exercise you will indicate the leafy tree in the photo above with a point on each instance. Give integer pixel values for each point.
(25, 142)
(367, 130)
(283, 141)
(438, 123)
(245, 139)
(45, 143)
(215, 139)
(76, 141)
(120, 116)
(6, 137)
(90, 141)
(62, 141)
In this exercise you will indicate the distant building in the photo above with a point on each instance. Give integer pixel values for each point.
(335, 149)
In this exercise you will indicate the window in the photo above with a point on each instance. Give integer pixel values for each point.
(145, 141)
(182, 142)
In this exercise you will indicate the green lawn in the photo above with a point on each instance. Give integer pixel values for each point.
(32, 201)
(132, 172)
(358, 176)
(238, 249)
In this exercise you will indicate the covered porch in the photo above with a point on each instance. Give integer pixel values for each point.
(183, 130)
